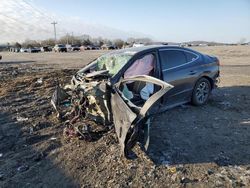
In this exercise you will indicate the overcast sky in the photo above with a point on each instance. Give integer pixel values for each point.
(161, 20)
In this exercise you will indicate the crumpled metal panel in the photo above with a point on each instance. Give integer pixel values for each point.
(122, 120)
(130, 119)
(97, 109)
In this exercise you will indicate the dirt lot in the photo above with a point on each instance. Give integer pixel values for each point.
(190, 146)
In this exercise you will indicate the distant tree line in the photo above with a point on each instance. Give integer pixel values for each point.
(85, 40)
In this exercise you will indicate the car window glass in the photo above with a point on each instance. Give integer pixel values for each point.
(190, 56)
(113, 63)
(141, 66)
(172, 58)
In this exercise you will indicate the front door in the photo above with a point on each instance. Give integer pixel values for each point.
(130, 119)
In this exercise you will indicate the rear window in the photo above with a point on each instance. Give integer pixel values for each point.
(191, 56)
(172, 58)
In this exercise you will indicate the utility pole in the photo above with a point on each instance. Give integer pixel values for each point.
(54, 23)
(72, 38)
(67, 38)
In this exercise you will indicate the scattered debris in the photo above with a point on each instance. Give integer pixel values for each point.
(222, 160)
(226, 104)
(23, 168)
(245, 122)
(14, 73)
(174, 177)
(31, 130)
(20, 119)
(39, 81)
(210, 172)
(39, 156)
(84, 130)
(172, 170)
(187, 180)
(69, 133)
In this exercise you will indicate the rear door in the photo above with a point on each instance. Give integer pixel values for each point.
(130, 119)
(180, 69)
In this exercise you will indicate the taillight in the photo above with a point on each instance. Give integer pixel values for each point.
(218, 61)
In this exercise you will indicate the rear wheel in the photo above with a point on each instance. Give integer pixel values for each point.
(201, 92)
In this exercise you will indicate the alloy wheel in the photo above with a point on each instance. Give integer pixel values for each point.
(202, 92)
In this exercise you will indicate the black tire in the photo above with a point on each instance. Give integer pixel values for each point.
(201, 92)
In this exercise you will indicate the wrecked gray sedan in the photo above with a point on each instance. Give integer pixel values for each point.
(125, 88)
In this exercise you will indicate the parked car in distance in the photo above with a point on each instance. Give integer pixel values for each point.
(108, 47)
(133, 84)
(73, 47)
(34, 50)
(60, 48)
(46, 49)
(90, 47)
(14, 49)
(86, 47)
(23, 50)
(138, 44)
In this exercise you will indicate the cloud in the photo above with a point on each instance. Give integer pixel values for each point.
(21, 20)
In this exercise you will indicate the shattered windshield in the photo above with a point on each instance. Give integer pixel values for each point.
(112, 62)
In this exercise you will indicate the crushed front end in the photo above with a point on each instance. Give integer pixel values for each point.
(83, 103)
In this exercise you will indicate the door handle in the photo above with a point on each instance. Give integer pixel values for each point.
(192, 72)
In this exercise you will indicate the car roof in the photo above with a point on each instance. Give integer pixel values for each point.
(135, 50)
(148, 47)
(140, 48)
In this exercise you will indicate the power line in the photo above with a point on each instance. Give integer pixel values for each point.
(35, 9)
(21, 22)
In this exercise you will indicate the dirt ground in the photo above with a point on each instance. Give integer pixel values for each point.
(206, 146)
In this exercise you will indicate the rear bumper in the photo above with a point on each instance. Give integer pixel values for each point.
(217, 80)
